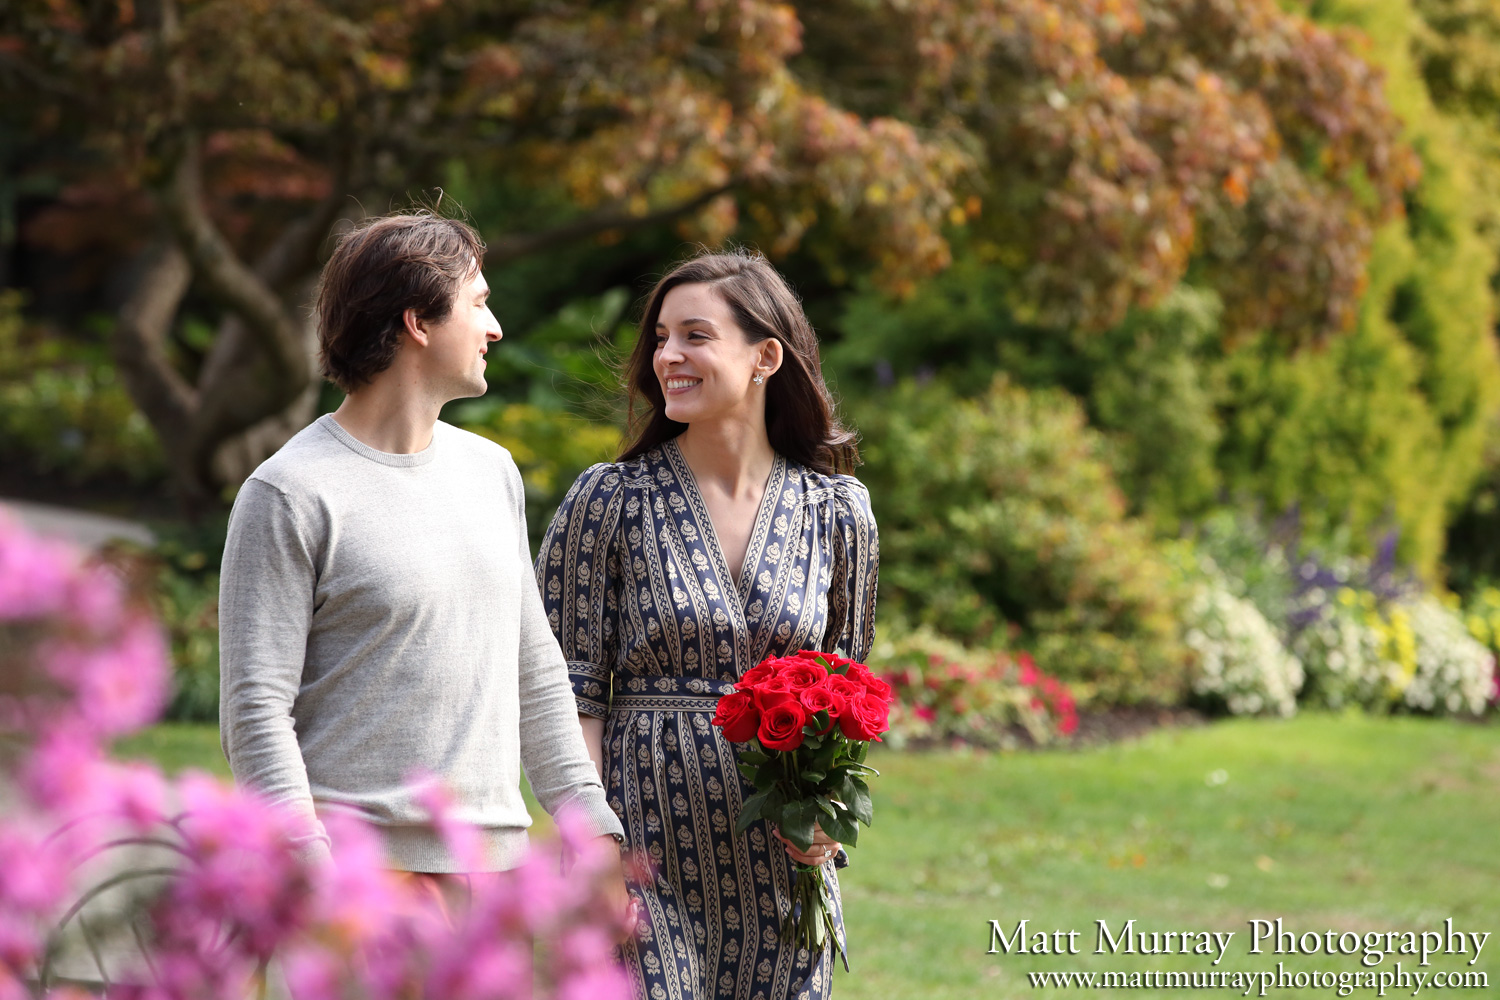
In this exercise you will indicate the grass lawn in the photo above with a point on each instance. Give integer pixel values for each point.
(1330, 823)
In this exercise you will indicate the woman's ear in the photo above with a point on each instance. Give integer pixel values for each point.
(770, 357)
(415, 327)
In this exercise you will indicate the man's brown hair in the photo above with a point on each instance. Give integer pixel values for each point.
(379, 269)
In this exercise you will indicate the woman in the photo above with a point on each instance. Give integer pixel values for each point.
(723, 535)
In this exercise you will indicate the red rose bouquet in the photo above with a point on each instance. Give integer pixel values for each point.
(808, 720)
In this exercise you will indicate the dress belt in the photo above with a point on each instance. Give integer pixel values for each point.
(668, 694)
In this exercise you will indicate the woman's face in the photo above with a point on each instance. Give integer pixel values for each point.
(704, 363)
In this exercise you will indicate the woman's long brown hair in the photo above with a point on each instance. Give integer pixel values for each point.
(800, 418)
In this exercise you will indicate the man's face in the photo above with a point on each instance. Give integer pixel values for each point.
(456, 346)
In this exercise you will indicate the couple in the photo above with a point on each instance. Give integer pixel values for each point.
(379, 617)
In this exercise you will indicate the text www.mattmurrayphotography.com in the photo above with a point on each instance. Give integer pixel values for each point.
(1265, 937)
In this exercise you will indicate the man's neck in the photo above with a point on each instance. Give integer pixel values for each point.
(390, 414)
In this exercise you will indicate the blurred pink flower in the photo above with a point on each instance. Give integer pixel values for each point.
(487, 968)
(462, 839)
(65, 772)
(34, 573)
(138, 794)
(118, 687)
(35, 869)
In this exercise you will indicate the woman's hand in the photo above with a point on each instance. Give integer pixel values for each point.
(823, 847)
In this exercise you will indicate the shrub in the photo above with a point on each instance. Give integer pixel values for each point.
(1482, 617)
(945, 692)
(1144, 383)
(1345, 653)
(62, 407)
(999, 514)
(1389, 648)
(1242, 666)
(1451, 671)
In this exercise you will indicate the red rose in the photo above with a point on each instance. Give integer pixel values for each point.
(818, 699)
(864, 717)
(843, 689)
(877, 686)
(772, 692)
(760, 672)
(801, 675)
(738, 716)
(833, 660)
(781, 726)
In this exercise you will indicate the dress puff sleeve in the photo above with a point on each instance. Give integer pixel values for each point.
(856, 566)
(577, 570)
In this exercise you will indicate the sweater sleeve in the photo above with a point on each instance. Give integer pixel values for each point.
(553, 754)
(265, 611)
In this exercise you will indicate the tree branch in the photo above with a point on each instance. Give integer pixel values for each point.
(140, 342)
(237, 286)
(511, 247)
(294, 253)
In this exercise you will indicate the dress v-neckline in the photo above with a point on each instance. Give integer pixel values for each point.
(756, 545)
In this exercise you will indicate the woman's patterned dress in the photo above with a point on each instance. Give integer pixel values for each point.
(654, 630)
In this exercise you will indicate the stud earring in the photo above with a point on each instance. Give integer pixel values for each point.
(758, 379)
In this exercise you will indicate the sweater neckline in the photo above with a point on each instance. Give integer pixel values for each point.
(398, 461)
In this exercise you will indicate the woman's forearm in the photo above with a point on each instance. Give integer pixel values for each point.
(593, 737)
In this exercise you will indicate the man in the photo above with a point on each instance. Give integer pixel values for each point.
(379, 620)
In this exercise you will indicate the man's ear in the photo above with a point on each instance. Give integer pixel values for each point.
(416, 328)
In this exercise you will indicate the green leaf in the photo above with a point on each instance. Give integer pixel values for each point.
(753, 809)
(748, 771)
(754, 757)
(797, 822)
(813, 777)
(860, 804)
(823, 804)
(842, 828)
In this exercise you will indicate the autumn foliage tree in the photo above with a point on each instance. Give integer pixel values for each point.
(1101, 150)
(217, 143)
(1128, 144)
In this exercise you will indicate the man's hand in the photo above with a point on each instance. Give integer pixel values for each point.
(616, 896)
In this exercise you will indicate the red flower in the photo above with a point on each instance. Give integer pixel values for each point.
(755, 675)
(781, 726)
(819, 699)
(772, 692)
(843, 689)
(800, 675)
(864, 717)
(834, 660)
(738, 716)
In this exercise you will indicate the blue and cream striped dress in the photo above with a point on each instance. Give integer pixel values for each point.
(654, 630)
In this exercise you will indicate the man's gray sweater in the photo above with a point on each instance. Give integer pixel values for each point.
(379, 624)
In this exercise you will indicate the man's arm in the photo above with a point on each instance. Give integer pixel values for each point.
(265, 612)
